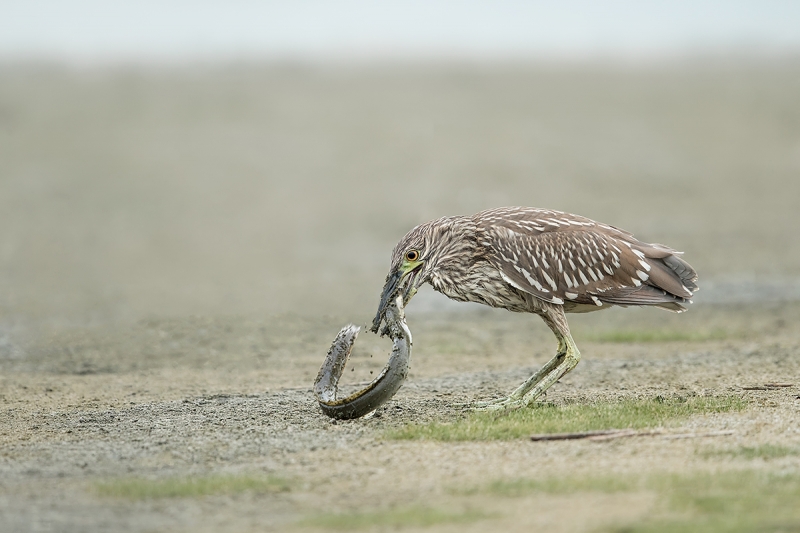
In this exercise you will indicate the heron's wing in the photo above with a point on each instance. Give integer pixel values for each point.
(559, 257)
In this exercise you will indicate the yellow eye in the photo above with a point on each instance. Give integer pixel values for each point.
(412, 255)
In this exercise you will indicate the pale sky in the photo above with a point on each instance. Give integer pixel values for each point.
(179, 30)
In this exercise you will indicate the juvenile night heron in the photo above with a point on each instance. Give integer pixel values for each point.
(539, 261)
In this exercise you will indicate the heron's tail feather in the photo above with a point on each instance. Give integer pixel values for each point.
(683, 270)
(670, 284)
(648, 295)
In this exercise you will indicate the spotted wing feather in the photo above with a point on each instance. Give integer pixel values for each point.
(568, 259)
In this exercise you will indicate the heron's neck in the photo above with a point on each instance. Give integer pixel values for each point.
(457, 254)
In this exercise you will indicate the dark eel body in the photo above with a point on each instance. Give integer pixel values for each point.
(382, 388)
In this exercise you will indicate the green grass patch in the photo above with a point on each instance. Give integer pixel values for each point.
(548, 418)
(659, 335)
(729, 502)
(189, 487)
(397, 518)
(763, 451)
(560, 485)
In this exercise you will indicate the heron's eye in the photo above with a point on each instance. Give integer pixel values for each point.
(412, 255)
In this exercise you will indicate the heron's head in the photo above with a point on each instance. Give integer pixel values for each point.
(414, 259)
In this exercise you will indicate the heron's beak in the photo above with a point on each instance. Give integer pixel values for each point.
(394, 284)
(389, 292)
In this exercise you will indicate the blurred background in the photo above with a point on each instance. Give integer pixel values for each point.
(178, 158)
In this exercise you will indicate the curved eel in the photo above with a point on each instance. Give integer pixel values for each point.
(382, 388)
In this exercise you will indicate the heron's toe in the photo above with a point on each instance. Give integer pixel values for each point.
(498, 405)
(486, 403)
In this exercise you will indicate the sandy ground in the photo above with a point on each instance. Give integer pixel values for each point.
(158, 400)
(178, 249)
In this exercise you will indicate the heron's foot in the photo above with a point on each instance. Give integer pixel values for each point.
(484, 405)
(473, 406)
(491, 405)
(503, 404)
(522, 395)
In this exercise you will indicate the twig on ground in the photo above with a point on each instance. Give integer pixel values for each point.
(627, 433)
(610, 434)
(697, 435)
(768, 386)
(571, 436)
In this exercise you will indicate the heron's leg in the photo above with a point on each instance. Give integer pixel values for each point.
(529, 383)
(571, 359)
(565, 360)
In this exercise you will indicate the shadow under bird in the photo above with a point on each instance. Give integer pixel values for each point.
(526, 260)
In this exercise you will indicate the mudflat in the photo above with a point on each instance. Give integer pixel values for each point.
(178, 248)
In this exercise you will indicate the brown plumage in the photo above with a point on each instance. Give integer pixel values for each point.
(572, 260)
(538, 261)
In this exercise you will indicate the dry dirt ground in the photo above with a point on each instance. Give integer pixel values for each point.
(157, 400)
(178, 247)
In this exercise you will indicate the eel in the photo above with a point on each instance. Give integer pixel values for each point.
(382, 388)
